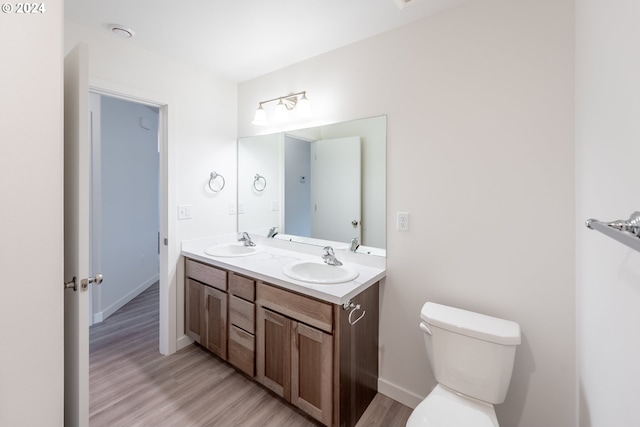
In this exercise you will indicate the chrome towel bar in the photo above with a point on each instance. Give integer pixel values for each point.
(626, 232)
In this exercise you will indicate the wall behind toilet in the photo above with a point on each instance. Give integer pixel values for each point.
(480, 151)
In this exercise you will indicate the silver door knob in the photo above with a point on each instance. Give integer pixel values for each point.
(71, 284)
(97, 279)
(84, 283)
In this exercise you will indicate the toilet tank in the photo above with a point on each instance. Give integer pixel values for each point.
(469, 352)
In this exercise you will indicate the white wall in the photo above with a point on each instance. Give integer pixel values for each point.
(31, 291)
(201, 136)
(607, 177)
(479, 101)
(129, 215)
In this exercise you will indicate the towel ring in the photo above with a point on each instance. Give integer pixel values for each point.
(213, 177)
(259, 183)
(353, 307)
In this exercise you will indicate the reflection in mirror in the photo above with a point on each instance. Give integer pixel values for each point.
(326, 183)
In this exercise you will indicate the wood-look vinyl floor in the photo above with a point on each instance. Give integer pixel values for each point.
(131, 384)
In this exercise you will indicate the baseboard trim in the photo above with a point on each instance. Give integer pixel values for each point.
(182, 342)
(398, 393)
(104, 314)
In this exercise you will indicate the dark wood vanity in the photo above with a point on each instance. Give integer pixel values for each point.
(303, 349)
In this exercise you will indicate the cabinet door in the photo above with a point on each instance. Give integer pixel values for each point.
(215, 314)
(194, 310)
(273, 352)
(312, 371)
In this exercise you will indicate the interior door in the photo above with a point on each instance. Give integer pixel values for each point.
(77, 162)
(336, 189)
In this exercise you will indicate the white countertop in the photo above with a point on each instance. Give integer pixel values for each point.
(274, 254)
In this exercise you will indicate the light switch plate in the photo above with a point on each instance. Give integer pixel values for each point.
(184, 211)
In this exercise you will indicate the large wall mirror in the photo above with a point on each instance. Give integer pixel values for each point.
(326, 183)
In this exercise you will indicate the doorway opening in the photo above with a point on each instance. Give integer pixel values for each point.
(125, 201)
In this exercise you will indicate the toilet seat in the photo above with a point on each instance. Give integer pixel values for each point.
(445, 408)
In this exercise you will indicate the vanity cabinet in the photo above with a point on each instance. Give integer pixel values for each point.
(320, 357)
(206, 306)
(295, 359)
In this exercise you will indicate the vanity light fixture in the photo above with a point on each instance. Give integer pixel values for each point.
(260, 118)
(298, 101)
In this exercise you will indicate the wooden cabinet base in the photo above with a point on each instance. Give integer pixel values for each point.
(356, 356)
(304, 350)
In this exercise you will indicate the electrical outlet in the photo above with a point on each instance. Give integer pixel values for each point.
(402, 221)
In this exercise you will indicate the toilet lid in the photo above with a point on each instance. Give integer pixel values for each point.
(440, 411)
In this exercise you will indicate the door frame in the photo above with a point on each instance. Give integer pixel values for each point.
(169, 249)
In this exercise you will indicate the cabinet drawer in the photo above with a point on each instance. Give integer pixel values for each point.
(206, 274)
(242, 313)
(241, 350)
(242, 286)
(307, 310)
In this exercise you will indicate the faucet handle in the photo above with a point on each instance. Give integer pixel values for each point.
(329, 256)
(245, 238)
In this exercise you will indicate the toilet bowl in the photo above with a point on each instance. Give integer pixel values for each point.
(471, 356)
(446, 408)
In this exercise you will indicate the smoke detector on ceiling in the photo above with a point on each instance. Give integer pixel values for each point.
(402, 3)
(122, 31)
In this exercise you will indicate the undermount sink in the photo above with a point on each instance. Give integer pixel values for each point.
(231, 250)
(319, 273)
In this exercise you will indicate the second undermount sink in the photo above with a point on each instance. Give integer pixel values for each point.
(231, 250)
(319, 273)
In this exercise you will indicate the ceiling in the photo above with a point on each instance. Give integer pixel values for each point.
(241, 39)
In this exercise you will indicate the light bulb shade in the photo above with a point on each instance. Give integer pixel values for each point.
(281, 112)
(260, 119)
(304, 106)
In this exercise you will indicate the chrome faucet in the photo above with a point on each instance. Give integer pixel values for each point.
(244, 238)
(329, 256)
(272, 232)
(355, 244)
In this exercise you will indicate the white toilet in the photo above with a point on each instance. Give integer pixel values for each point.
(471, 356)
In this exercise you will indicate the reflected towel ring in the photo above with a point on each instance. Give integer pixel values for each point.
(213, 177)
(259, 183)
